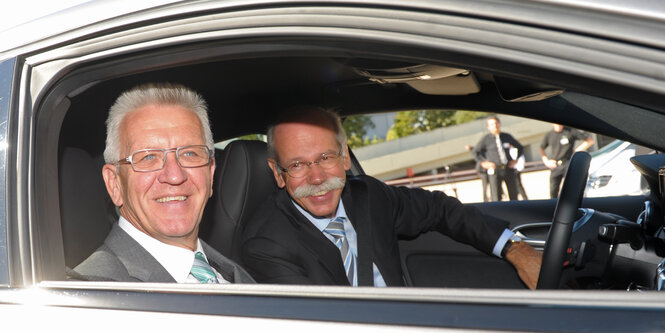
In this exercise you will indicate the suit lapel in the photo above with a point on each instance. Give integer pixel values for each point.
(220, 263)
(356, 203)
(313, 240)
(140, 263)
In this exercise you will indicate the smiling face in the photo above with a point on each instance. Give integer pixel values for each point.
(305, 142)
(166, 204)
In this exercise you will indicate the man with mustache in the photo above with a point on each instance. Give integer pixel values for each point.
(324, 228)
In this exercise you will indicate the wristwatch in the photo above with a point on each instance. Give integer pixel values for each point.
(513, 239)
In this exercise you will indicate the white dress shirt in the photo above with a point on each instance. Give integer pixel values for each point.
(176, 260)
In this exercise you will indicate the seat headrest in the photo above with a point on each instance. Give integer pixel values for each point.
(242, 182)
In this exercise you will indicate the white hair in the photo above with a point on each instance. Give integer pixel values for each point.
(163, 93)
(309, 114)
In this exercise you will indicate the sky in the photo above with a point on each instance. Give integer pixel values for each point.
(15, 12)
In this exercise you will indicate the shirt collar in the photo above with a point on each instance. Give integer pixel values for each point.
(176, 260)
(322, 223)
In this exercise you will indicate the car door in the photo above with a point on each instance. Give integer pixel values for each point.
(7, 68)
(436, 260)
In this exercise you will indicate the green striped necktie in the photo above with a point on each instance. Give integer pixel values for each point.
(202, 271)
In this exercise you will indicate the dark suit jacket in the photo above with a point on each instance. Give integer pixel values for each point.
(279, 244)
(486, 150)
(121, 258)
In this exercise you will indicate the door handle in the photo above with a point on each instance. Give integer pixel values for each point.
(536, 243)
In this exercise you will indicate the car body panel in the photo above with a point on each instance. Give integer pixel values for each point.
(408, 308)
(6, 84)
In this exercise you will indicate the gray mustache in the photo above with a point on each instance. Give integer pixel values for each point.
(307, 190)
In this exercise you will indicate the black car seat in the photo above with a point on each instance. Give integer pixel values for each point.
(86, 210)
(242, 182)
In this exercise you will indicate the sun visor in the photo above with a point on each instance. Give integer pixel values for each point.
(462, 84)
(427, 79)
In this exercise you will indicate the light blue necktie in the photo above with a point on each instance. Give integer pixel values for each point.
(201, 270)
(336, 229)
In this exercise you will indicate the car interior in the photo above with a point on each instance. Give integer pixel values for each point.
(245, 93)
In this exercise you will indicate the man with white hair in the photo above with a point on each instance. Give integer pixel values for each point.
(160, 196)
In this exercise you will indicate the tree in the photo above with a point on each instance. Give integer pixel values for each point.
(260, 137)
(462, 117)
(356, 130)
(414, 122)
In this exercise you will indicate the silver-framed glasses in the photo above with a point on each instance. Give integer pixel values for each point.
(148, 160)
(299, 169)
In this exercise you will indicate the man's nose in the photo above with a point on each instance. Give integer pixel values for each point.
(316, 174)
(172, 173)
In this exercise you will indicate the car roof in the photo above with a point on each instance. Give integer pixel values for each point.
(95, 16)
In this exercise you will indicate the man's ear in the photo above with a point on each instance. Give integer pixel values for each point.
(347, 158)
(278, 176)
(212, 175)
(112, 182)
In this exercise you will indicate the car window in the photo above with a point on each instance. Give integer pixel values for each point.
(440, 157)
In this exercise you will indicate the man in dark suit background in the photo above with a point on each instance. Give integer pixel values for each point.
(160, 195)
(493, 153)
(561, 142)
(322, 228)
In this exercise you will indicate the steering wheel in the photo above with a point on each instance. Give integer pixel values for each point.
(570, 200)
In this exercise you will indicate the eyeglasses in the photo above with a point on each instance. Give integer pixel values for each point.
(299, 169)
(147, 160)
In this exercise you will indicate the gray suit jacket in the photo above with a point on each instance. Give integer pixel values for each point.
(121, 258)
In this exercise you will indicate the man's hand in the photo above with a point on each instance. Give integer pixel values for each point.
(488, 165)
(550, 163)
(526, 261)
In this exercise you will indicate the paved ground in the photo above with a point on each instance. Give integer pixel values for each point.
(536, 185)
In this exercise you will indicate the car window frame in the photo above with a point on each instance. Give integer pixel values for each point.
(49, 90)
(7, 79)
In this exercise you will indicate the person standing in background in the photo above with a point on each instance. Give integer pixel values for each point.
(561, 141)
(493, 153)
